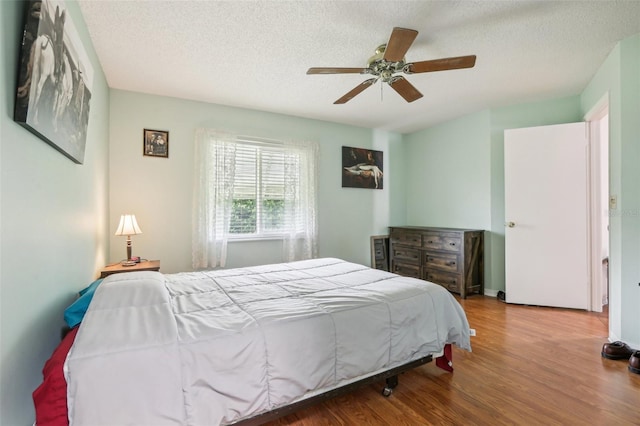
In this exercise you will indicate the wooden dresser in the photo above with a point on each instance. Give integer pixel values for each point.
(453, 258)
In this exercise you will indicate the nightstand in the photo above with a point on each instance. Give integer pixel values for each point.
(116, 268)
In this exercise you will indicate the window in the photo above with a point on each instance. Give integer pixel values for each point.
(253, 188)
(258, 191)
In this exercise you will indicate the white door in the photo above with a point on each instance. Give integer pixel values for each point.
(546, 207)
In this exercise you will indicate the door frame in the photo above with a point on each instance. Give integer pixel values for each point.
(596, 199)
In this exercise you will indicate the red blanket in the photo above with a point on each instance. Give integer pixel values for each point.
(50, 398)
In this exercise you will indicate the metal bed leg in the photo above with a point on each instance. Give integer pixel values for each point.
(392, 382)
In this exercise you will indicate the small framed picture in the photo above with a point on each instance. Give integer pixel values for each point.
(155, 143)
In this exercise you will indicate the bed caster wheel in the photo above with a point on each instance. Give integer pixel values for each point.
(387, 391)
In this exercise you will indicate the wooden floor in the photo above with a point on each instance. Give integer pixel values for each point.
(529, 366)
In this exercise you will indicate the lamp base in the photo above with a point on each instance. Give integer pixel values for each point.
(128, 263)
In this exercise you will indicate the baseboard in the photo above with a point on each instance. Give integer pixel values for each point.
(613, 338)
(490, 292)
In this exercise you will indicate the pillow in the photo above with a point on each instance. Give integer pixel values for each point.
(75, 312)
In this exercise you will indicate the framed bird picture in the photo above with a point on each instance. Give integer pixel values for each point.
(362, 168)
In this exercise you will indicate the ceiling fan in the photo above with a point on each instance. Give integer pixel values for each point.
(389, 60)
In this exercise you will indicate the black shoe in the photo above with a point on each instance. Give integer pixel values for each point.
(616, 350)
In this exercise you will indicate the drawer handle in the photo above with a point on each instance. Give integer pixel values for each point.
(452, 244)
(430, 241)
(452, 263)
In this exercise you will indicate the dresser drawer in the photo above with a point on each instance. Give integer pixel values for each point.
(448, 280)
(406, 254)
(443, 261)
(408, 238)
(444, 242)
(405, 269)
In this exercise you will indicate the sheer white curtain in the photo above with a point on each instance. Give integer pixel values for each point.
(215, 174)
(215, 153)
(300, 206)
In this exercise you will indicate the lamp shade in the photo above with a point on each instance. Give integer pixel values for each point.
(128, 225)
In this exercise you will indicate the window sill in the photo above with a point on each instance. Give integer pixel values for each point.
(254, 238)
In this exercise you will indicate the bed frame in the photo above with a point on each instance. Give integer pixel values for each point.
(391, 381)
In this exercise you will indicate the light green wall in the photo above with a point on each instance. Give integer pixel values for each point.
(448, 174)
(630, 194)
(447, 178)
(618, 79)
(53, 222)
(396, 165)
(158, 190)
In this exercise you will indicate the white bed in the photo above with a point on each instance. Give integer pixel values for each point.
(217, 347)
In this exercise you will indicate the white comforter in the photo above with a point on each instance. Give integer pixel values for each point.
(215, 347)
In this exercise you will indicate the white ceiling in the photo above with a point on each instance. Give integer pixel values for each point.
(255, 54)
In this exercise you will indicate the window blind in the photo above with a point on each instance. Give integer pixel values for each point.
(258, 190)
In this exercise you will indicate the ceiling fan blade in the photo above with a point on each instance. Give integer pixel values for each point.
(399, 42)
(356, 90)
(405, 89)
(328, 70)
(441, 64)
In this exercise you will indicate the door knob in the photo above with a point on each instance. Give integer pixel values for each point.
(510, 224)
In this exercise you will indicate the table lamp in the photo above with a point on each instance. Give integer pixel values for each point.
(128, 226)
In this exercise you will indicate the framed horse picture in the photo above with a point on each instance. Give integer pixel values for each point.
(54, 79)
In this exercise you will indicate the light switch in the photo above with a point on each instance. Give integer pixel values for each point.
(613, 202)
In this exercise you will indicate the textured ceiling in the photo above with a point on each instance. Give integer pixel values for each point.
(255, 54)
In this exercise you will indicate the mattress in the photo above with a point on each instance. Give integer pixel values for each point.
(216, 347)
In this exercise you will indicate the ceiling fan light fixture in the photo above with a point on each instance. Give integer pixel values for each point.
(380, 67)
(386, 75)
